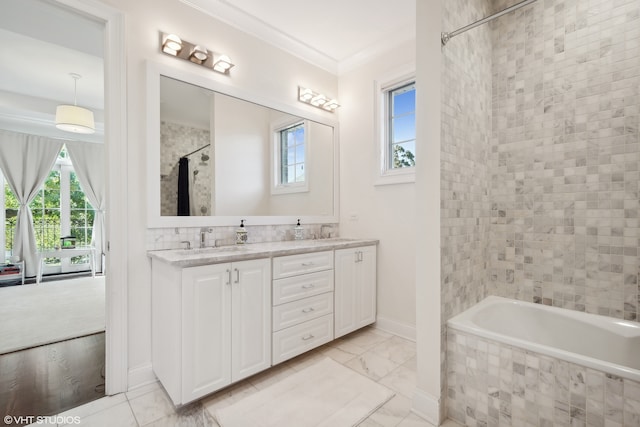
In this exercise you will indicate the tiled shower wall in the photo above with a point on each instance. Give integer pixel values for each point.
(465, 135)
(177, 140)
(565, 155)
(466, 127)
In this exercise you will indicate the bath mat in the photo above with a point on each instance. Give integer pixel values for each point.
(324, 394)
(53, 311)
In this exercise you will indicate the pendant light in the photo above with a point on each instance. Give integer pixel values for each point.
(71, 118)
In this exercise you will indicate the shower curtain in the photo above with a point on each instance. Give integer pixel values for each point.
(183, 187)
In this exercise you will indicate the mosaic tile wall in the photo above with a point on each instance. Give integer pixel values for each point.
(492, 384)
(175, 141)
(466, 131)
(565, 155)
(465, 134)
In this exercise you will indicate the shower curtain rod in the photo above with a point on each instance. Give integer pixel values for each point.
(194, 152)
(445, 37)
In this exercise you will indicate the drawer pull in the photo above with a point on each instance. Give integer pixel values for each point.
(308, 264)
(308, 286)
(307, 310)
(307, 337)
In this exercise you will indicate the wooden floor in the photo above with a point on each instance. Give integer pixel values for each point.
(52, 378)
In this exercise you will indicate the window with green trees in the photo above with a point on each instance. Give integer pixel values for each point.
(59, 209)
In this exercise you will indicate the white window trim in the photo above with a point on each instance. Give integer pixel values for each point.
(297, 187)
(383, 175)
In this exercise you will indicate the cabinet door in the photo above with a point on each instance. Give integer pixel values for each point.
(366, 280)
(251, 318)
(355, 289)
(206, 308)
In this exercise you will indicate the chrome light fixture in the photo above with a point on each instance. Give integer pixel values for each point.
(71, 118)
(173, 45)
(317, 99)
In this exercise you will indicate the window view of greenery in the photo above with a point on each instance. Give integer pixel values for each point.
(59, 205)
(292, 149)
(402, 127)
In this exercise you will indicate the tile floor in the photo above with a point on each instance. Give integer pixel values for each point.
(383, 357)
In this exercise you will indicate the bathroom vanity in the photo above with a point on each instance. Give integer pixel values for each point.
(220, 315)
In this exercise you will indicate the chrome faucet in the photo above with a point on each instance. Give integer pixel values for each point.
(322, 235)
(188, 243)
(202, 234)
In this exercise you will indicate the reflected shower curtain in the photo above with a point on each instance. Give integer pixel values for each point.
(183, 187)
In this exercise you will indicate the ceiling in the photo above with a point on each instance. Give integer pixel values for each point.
(41, 47)
(336, 35)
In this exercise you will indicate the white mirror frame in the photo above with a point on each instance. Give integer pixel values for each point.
(154, 219)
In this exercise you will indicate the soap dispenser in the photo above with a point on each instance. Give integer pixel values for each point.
(241, 234)
(298, 235)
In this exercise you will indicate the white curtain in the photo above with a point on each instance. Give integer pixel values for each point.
(88, 163)
(26, 161)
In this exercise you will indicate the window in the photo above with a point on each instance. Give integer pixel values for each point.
(401, 127)
(59, 209)
(396, 124)
(290, 154)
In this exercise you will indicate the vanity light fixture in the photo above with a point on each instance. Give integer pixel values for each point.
(316, 99)
(71, 118)
(198, 54)
(171, 44)
(174, 46)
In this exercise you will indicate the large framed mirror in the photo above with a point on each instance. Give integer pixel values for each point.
(216, 154)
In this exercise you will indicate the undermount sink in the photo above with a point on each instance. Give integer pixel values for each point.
(212, 250)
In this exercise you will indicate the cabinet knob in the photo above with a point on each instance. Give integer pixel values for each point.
(307, 337)
(308, 286)
(308, 264)
(307, 310)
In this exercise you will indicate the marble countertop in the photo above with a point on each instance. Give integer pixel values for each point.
(203, 256)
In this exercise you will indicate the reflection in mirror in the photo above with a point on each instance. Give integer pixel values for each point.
(224, 156)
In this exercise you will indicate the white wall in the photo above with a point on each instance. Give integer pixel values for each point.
(385, 212)
(260, 68)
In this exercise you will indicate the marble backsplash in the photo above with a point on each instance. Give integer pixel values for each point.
(174, 238)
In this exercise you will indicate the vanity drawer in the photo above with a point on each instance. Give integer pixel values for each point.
(298, 339)
(298, 287)
(293, 265)
(293, 313)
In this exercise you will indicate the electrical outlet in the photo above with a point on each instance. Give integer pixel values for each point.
(353, 216)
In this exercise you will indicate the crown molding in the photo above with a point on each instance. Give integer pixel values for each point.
(233, 16)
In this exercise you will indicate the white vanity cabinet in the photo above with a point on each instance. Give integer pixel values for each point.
(302, 303)
(211, 325)
(355, 289)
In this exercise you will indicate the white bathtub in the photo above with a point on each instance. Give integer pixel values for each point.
(598, 342)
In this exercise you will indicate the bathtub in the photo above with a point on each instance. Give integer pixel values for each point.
(598, 342)
(515, 363)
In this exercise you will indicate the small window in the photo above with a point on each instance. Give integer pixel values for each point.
(291, 151)
(401, 138)
(396, 124)
(292, 154)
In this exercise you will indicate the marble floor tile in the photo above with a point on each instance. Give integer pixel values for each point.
(396, 349)
(151, 406)
(96, 406)
(228, 396)
(402, 380)
(193, 415)
(372, 365)
(387, 359)
(119, 415)
(392, 412)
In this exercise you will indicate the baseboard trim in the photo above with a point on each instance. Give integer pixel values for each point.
(404, 330)
(426, 406)
(141, 375)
